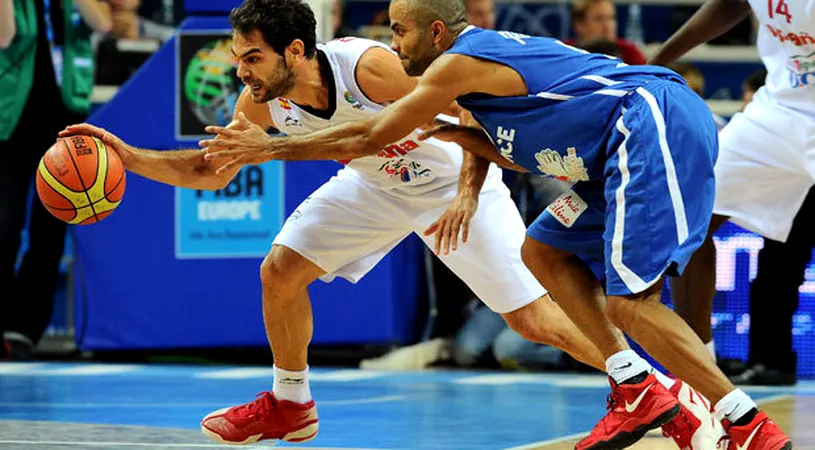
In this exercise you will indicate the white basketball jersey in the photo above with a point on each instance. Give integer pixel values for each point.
(408, 163)
(786, 43)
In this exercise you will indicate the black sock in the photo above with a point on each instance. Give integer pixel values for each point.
(747, 418)
(636, 379)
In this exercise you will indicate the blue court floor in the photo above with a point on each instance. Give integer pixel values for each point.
(92, 406)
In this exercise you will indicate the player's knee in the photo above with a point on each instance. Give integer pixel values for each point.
(527, 323)
(278, 272)
(541, 258)
(619, 311)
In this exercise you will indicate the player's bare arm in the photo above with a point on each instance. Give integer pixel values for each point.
(183, 168)
(713, 19)
(457, 217)
(475, 141)
(438, 88)
(382, 78)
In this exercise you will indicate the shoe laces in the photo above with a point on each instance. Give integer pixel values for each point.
(614, 398)
(724, 442)
(260, 407)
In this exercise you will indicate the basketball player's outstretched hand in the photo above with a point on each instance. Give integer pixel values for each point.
(456, 219)
(242, 142)
(111, 140)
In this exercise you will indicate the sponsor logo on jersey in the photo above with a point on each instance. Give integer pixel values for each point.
(796, 39)
(406, 170)
(802, 70)
(567, 208)
(353, 101)
(564, 168)
(292, 122)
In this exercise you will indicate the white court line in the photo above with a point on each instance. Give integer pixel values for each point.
(126, 444)
(162, 445)
(352, 401)
(549, 442)
(535, 445)
(263, 372)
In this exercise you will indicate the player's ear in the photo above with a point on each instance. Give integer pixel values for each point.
(297, 49)
(437, 30)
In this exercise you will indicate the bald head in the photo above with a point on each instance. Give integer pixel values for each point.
(450, 12)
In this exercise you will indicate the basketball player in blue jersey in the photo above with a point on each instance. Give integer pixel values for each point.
(639, 147)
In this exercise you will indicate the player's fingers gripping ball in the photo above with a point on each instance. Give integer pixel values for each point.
(79, 180)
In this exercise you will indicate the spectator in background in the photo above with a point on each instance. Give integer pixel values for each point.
(127, 24)
(774, 292)
(597, 19)
(696, 81)
(751, 85)
(481, 13)
(46, 78)
(341, 30)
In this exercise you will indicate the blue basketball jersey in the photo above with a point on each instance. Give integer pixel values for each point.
(562, 126)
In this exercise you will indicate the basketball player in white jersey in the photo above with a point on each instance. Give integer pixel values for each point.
(350, 223)
(766, 161)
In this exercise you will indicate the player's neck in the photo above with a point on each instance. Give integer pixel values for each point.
(312, 87)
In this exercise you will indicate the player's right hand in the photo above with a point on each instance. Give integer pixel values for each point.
(111, 140)
(456, 219)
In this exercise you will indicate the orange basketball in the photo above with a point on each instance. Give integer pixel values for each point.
(80, 181)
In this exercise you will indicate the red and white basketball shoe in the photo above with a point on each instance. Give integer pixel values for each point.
(633, 410)
(694, 428)
(265, 418)
(760, 434)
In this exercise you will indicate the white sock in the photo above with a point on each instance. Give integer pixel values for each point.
(626, 364)
(663, 379)
(733, 406)
(711, 348)
(291, 386)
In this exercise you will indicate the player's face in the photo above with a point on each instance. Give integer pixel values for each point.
(600, 22)
(413, 43)
(481, 13)
(260, 68)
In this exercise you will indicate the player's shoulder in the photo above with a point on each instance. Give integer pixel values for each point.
(350, 48)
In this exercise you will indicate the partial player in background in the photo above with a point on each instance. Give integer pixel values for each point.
(766, 162)
(350, 223)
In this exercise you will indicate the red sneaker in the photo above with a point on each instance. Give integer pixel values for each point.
(694, 428)
(264, 418)
(633, 410)
(760, 434)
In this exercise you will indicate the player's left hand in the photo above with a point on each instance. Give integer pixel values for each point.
(240, 142)
(456, 219)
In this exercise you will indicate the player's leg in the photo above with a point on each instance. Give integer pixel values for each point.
(490, 264)
(760, 180)
(659, 202)
(343, 229)
(693, 292)
(573, 225)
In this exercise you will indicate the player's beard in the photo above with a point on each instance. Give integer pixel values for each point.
(280, 83)
(416, 66)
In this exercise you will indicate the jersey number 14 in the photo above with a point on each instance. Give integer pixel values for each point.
(781, 9)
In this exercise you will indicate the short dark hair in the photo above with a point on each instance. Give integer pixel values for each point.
(755, 80)
(280, 22)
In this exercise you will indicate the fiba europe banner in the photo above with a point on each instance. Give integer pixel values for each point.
(238, 221)
(207, 86)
